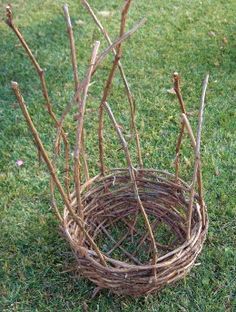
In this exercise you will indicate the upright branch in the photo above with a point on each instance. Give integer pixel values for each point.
(177, 89)
(197, 157)
(83, 152)
(72, 45)
(123, 76)
(109, 84)
(52, 171)
(177, 151)
(189, 129)
(41, 75)
(133, 179)
(99, 59)
(199, 172)
(79, 132)
(176, 80)
(76, 80)
(186, 124)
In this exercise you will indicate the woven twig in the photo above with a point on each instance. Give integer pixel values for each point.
(160, 200)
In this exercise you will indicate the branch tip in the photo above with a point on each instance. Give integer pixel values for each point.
(14, 85)
(65, 9)
(9, 14)
(176, 79)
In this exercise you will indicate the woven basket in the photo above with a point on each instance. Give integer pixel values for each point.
(132, 230)
(111, 199)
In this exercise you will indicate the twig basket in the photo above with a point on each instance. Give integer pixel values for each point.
(111, 220)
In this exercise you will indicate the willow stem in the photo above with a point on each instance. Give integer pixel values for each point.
(52, 170)
(41, 75)
(126, 85)
(79, 132)
(197, 158)
(76, 76)
(133, 179)
(108, 85)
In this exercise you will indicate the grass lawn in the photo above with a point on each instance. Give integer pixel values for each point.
(192, 37)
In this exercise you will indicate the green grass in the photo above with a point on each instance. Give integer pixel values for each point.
(33, 257)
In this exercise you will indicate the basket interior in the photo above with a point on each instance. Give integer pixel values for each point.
(114, 220)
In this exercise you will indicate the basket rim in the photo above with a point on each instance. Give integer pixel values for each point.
(167, 259)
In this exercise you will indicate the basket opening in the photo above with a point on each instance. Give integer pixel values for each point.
(115, 222)
(124, 243)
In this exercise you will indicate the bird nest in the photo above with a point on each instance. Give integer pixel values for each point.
(132, 230)
(114, 221)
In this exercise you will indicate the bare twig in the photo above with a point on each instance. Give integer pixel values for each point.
(118, 243)
(52, 170)
(83, 152)
(123, 76)
(133, 179)
(199, 171)
(72, 45)
(97, 63)
(75, 99)
(197, 157)
(176, 79)
(108, 85)
(177, 151)
(53, 199)
(101, 57)
(189, 129)
(76, 79)
(41, 75)
(144, 237)
(81, 110)
(131, 257)
(185, 123)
